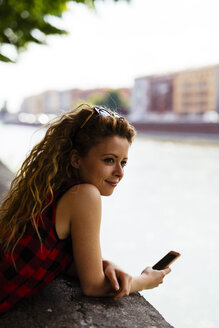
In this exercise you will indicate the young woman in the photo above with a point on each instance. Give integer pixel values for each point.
(50, 218)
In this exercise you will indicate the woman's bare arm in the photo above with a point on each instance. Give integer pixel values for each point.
(85, 217)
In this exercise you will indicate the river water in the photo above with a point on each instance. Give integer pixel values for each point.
(168, 200)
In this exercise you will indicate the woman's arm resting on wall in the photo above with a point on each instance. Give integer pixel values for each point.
(85, 218)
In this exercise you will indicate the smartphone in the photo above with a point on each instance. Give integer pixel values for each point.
(166, 260)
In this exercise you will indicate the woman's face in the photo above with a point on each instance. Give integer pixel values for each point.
(104, 164)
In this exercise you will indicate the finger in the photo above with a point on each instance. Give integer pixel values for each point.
(111, 275)
(147, 269)
(121, 294)
(166, 271)
(112, 294)
(124, 287)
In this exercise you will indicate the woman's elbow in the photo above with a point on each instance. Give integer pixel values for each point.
(95, 290)
(89, 291)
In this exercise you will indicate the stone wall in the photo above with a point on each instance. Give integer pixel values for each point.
(62, 304)
(5, 178)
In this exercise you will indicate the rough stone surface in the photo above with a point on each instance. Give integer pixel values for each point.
(5, 179)
(62, 305)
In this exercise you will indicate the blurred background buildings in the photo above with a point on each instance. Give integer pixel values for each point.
(191, 95)
(55, 102)
(38, 109)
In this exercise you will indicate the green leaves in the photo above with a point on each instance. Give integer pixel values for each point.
(20, 19)
(25, 21)
(5, 59)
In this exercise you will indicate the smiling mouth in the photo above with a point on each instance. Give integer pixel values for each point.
(113, 184)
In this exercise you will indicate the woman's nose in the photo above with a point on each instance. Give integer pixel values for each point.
(119, 171)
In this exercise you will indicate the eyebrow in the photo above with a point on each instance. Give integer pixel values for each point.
(108, 154)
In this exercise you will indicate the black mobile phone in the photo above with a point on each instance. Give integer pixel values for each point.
(166, 260)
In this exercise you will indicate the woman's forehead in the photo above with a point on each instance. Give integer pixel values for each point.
(114, 144)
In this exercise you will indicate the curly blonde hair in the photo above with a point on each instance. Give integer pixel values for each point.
(48, 166)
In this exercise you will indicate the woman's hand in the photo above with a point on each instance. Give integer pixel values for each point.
(120, 281)
(124, 284)
(154, 277)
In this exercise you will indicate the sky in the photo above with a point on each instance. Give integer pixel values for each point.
(114, 44)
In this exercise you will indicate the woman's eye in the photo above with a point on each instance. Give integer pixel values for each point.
(123, 163)
(109, 160)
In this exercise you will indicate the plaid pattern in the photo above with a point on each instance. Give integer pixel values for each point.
(36, 264)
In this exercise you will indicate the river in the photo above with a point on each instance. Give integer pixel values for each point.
(168, 200)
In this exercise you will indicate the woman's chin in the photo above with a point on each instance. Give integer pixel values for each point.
(106, 192)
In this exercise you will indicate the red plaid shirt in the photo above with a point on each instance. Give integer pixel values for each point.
(36, 264)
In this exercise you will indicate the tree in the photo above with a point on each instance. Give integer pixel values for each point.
(112, 99)
(25, 21)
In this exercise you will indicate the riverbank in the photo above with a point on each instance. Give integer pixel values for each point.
(184, 128)
(182, 138)
(199, 133)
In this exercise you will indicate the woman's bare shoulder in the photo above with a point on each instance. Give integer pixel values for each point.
(82, 198)
(79, 201)
(83, 191)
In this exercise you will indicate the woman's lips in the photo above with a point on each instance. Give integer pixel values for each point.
(113, 184)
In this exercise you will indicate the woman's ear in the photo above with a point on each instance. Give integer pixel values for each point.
(75, 159)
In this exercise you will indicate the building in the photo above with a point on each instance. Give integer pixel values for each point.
(192, 91)
(32, 105)
(55, 102)
(140, 99)
(151, 95)
(196, 91)
(160, 94)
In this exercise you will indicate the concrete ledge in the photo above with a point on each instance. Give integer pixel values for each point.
(62, 305)
(5, 179)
